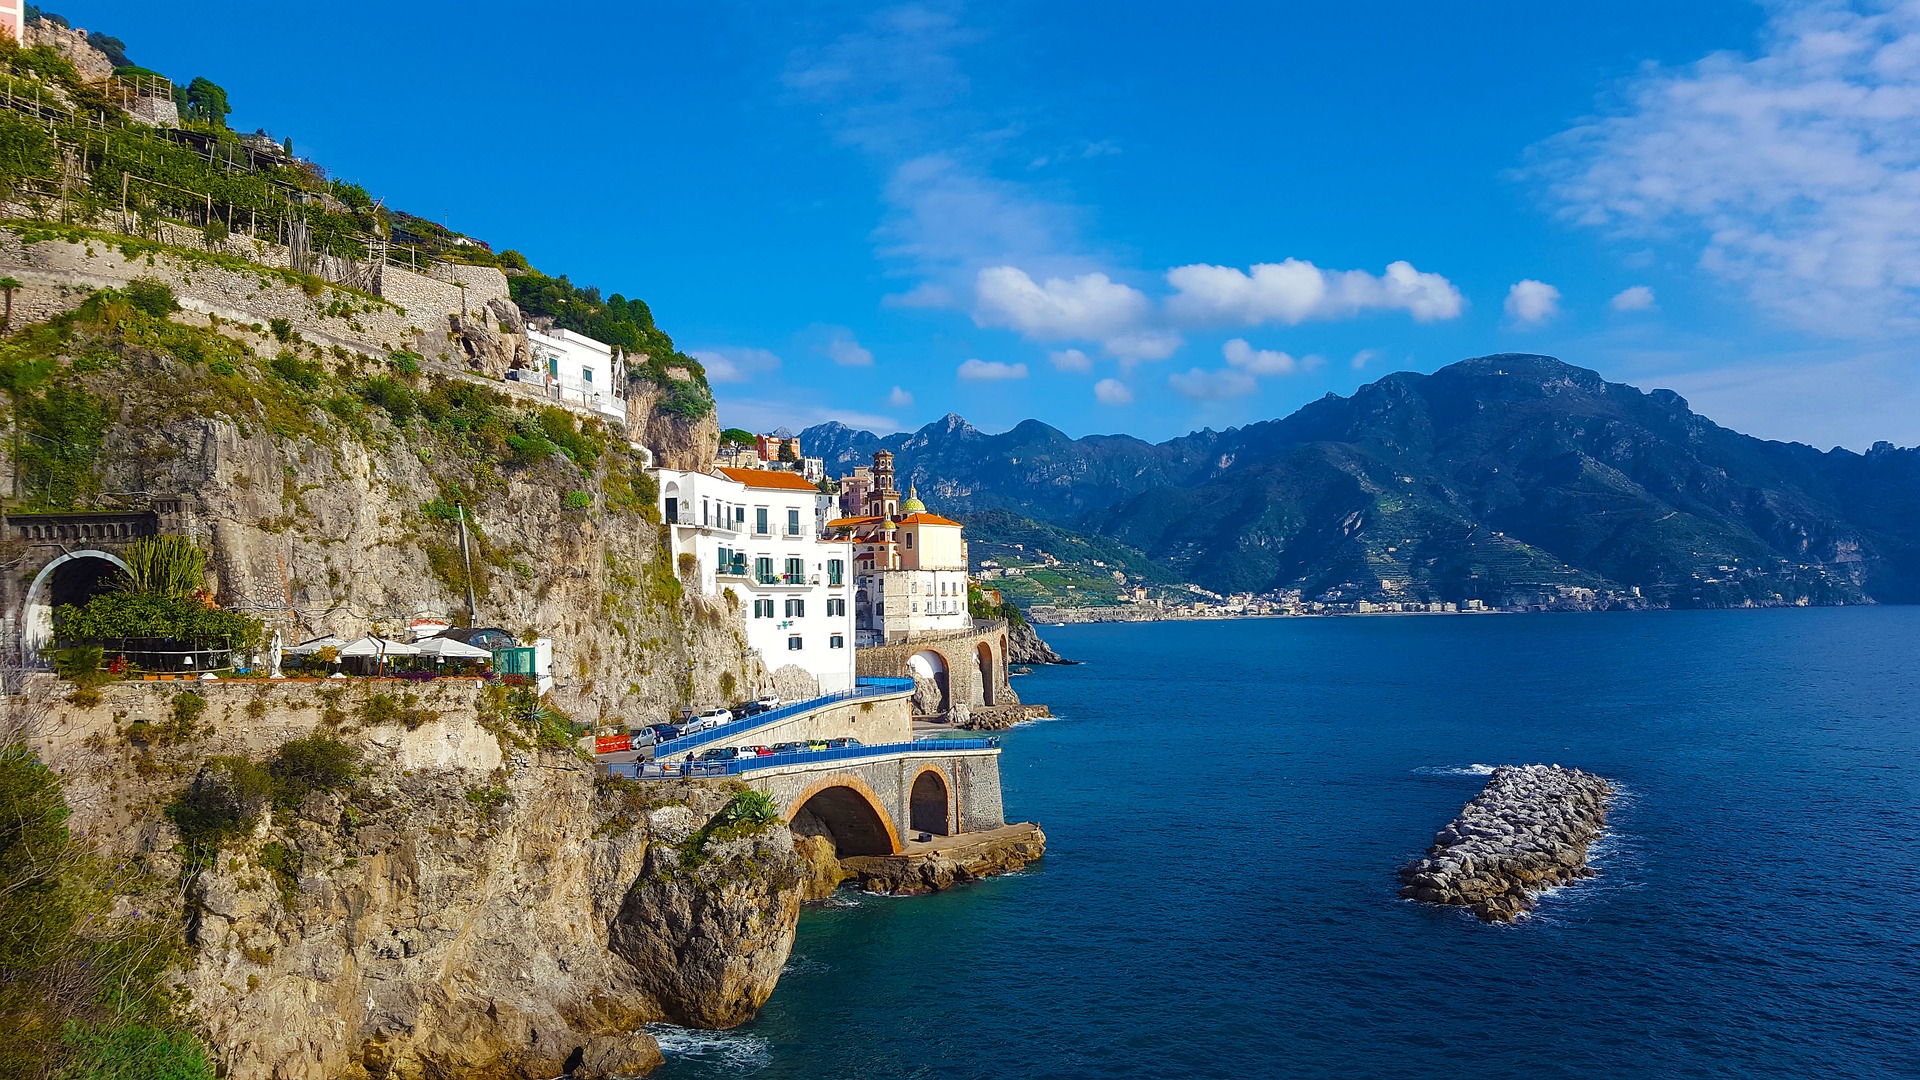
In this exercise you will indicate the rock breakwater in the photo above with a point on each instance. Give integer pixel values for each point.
(1527, 831)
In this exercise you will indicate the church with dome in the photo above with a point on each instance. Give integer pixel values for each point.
(909, 564)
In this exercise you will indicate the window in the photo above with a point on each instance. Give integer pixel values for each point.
(763, 609)
(763, 571)
(793, 643)
(759, 521)
(837, 641)
(909, 539)
(793, 522)
(796, 608)
(836, 568)
(836, 607)
(553, 367)
(586, 375)
(796, 571)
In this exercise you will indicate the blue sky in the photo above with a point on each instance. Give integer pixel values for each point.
(1146, 217)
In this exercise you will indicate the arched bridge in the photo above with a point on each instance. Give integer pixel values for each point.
(871, 799)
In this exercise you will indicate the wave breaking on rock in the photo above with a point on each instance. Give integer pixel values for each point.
(1527, 831)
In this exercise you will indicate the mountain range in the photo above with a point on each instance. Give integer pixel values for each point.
(1514, 479)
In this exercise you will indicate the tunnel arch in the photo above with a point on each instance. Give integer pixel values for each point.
(983, 656)
(847, 811)
(73, 578)
(930, 802)
(931, 664)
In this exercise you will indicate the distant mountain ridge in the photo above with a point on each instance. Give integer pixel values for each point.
(1510, 478)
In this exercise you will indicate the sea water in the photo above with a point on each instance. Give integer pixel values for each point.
(1226, 804)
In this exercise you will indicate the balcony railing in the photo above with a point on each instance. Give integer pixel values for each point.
(670, 770)
(685, 518)
(864, 687)
(787, 579)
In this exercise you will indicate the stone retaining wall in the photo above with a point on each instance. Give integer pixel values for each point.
(959, 651)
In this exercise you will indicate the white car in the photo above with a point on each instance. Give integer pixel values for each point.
(712, 718)
(771, 701)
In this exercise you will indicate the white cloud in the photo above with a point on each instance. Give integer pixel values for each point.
(735, 365)
(844, 349)
(1220, 385)
(1087, 306)
(991, 371)
(1140, 345)
(898, 398)
(1365, 356)
(1071, 360)
(1531, 302)
(1294, 291)
(1112, 392)
(1795, 172)
(1633, 298)
(1256, 361)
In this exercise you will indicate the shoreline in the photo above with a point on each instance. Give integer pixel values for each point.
(1051, 623)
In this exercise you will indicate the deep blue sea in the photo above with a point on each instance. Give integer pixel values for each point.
(1227, 802)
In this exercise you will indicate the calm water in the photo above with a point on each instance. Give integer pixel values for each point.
(1227, 803)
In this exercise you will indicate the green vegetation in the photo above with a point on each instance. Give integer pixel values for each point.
(229, 794)
(120, 616)
(169, 566)
(521, 717)
(734, 436)
(617, 321)
(315, 763)
(82, 996)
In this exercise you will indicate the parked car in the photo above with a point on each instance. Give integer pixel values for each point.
(645, 736)
(748, 708)
(753, 751)
(665, 732)
(771, 701)
(786, 748)
(835, 744)
(712, 718)
(720, 753)
(817, 744)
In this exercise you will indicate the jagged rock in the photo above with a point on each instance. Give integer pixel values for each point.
(1000, 851)
(1002, 717)
(676, 442)
(1527, 831)
(926, 696)
(707, 931)
(824, 872)
(1024, 646)
(507, 314)
(795, 683)
(487, 352)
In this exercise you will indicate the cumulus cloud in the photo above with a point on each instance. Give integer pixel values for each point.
(1222, 385)
(1141, 345)
(1633, 298)
(844, 349)
(1531, 302)
(1794, 172)
(991, 371)
(1294, 291)
(1112, 392)
(1257, 361)
(1364, 357)
(1071, 360)
(1087, 306)
(735, 365)
(898, 398)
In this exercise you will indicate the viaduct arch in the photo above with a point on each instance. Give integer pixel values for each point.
(848, 811)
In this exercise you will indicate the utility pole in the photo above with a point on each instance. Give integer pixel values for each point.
(473, 614)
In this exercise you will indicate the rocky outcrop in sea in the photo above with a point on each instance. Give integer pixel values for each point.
(1527, 831)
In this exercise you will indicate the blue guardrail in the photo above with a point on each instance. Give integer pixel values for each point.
(863, 688)
(658, 770)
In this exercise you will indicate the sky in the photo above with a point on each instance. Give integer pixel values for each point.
(1151, 218)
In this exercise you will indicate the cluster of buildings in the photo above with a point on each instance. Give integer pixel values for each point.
(779, 451)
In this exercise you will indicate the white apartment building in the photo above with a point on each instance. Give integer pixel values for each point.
(758, 532)
(578, 369)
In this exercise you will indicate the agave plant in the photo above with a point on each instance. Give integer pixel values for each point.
(169, 566)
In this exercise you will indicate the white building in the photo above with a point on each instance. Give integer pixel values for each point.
(758, 533)
(910, 566)
(578, 369)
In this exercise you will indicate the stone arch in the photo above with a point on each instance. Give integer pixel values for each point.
(983, 656)
(846, 810)
(930, 666)
(930, 802)
(73, 578)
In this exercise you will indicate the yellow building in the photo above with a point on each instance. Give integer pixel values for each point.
(909, 564)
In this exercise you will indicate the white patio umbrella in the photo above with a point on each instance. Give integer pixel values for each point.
(308, 648)
(380, 647)
(445, 648)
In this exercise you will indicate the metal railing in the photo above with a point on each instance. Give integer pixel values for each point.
(863, 688)
(659, 770)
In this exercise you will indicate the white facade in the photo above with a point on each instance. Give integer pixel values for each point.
(894, 605)
(576, 368)
(758, 533)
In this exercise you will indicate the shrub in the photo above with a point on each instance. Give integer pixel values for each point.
(168, 566)
(79, 664)
(578, 500)
(281, 329)
(187, 707)
(386, 392)
(224, 801)
(302, 373)
(283, 864)
(153, 297)
(315, 763)
(405, 361)
(121, 615)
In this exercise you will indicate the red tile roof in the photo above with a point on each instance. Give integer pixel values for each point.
(929, 519)
(769, 478)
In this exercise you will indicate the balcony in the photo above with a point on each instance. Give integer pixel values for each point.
(687, 521)
(791, 581)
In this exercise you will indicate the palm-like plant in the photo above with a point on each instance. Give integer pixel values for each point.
(170, 566)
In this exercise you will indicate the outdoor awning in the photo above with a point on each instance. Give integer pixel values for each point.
(308, 648)
(449, 649)
(373, 646)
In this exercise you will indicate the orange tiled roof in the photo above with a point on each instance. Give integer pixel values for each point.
(851, 521)
(768, 478)
(929, 519)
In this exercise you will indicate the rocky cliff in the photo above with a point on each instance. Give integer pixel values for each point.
(471, 903)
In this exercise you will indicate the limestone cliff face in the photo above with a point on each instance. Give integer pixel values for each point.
(676, 442)
(471, 906)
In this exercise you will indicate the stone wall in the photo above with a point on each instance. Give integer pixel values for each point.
(91, 63)
(419, 293)
(484, 284)
(960, 651)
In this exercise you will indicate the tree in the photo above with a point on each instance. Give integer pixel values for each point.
(7, 285)
(789, 453)
(207, 101)
(112, 48)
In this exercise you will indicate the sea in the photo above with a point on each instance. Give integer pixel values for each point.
(1226, 803)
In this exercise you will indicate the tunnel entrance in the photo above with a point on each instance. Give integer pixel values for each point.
(849, 818)
(930, 803)
(73, 578)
